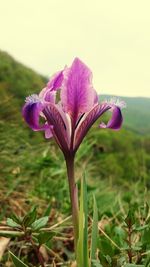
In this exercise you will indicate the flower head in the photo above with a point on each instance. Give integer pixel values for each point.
(69, 120)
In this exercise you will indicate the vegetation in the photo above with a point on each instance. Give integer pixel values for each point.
(116, 166)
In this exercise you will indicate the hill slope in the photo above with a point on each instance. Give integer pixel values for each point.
(137, 114)
(16, 82)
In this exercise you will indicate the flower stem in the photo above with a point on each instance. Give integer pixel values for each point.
(73, 197)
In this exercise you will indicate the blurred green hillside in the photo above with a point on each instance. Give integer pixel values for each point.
(16, 82)
(117, 163)
(137, 114)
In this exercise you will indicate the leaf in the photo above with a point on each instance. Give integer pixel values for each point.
(121, 260)
(12, 223)
(95, 263)
(17, 262)
(82, 246)
(94, 231)
(105, 246)
(130, 219)
(148, 220)
(40, 223)
(15, 218)
(145, 236)
(45, 237)
(47, 212)
(133, 265)
(136, 248)
(30, 218)
(146, 210)
(108, 258)
(140, 228)
(147, 262)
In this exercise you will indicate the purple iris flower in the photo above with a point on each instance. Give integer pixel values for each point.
(69, 119)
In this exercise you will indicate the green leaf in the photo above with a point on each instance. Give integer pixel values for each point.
(108, 259)
(130, 219)
(133, 265)
(47, 212)
(45, 237)
(94, 231)
(15, 218)
(147, 262)
(146, 210)
(140, 228)
(136, 248)
(145, 237)
(38, 224)
(12, 223)
(95, 263)
(82, 246)
(30, 218)
(105, 246)
(148, 220)
(17, 262)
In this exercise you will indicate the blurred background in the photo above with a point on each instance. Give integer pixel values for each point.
(38, 38)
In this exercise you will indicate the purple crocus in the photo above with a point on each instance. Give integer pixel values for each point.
(69, 119)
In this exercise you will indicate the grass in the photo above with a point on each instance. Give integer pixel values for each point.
(33, 173)
(116, 164)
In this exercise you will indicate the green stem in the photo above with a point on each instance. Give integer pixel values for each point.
(7, 233)
(73, 197)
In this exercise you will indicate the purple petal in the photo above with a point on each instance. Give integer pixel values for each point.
(78, 95)
(87, 121)
(48, 133)
(59, 130)
(55, 82)
(31, 113)
(47, 95)
(116, 120)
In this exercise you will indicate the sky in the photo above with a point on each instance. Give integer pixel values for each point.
(112, 37)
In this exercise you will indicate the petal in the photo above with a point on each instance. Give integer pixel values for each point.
(66, 119)
(55, 82)
(31, 113)
(49, 92)
(59, 130)
(77, 94)
(47, 95)
(48, 133)
(87, 121)
(116, 120)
